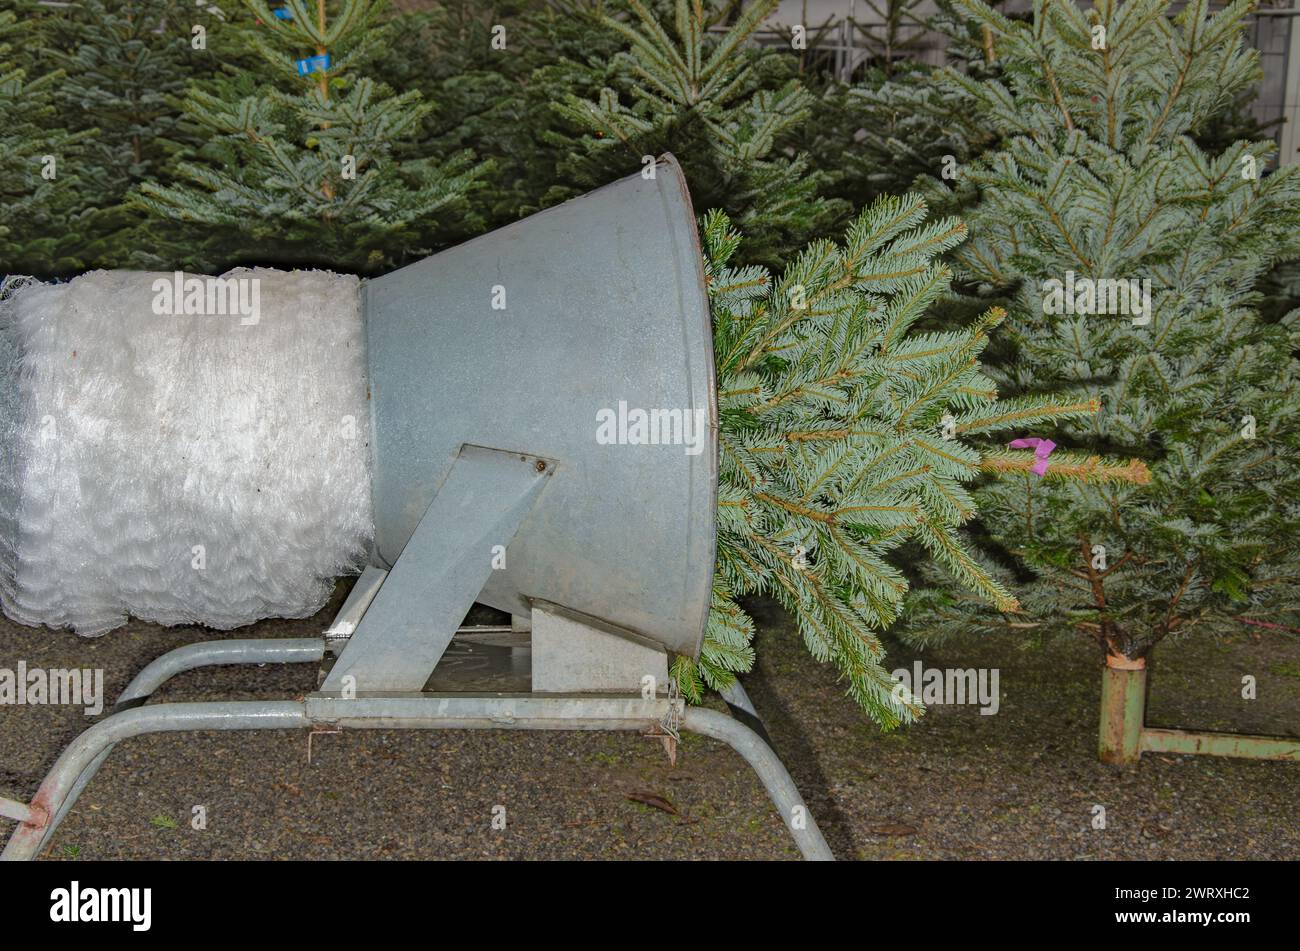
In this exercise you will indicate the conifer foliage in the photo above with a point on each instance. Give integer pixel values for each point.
(40, 184)
(727, 111)
(314, 152)
(844, 433)
(1098, 182)
(123, 63)
(122, 68)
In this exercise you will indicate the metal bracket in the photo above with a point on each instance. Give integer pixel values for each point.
(485, 498)
(574, 653)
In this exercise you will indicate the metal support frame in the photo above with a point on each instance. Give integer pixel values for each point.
(573, 653)
(1124, 735)
(79, 762)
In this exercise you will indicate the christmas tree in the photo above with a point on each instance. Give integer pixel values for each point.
(123, 63)
(42, 182)
(314, 160)
(846, 433)
(731, 115)
(895, 124)
(496, 73)
(122, 67)
(1128, 256)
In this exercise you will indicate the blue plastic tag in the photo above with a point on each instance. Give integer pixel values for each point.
(283, 13)
(313, 63)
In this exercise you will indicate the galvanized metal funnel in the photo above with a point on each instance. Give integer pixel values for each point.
(580, 336)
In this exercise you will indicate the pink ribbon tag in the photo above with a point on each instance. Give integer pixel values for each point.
(1042, 449)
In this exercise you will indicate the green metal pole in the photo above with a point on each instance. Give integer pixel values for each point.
(1221, 744)
(1123, 708)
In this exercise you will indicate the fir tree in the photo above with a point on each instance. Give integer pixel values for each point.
(314, 161)
(812, 43)
(1099, 178)
(124, 63)
(728, 112)
(896, 124)
(845, 433)
(41, 181)
(123, 66)
(496, 73)
(896, 31)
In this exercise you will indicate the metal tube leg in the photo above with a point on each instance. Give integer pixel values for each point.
(72, 770)
(208, 654)
(61, 783)
(295, 650)
(537, 712)
(158, 672)
(772, 772)
(742, 708)
(1220, 744)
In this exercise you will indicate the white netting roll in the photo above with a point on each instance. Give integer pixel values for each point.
(181, 468)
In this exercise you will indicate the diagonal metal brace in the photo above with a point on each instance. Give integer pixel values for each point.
(486, 496)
